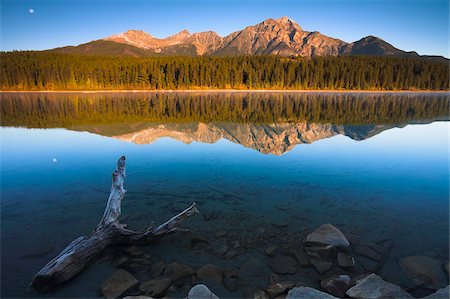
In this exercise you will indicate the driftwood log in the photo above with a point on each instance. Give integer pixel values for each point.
(83, 251)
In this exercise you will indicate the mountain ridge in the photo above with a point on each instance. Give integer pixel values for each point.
(282, 36)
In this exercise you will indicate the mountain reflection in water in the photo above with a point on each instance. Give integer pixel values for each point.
(267, 122)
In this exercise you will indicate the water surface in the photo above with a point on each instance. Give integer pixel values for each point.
(374, 165)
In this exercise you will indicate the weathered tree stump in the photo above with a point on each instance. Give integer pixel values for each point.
(83, 251)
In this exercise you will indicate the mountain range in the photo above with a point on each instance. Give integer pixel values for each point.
(281, 36)
(276, 138)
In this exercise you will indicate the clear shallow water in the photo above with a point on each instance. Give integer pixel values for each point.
(392, 185)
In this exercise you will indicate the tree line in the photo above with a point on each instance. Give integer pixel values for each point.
(29, 70)
(47, 110)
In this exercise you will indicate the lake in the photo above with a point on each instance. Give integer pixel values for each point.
(264, 168)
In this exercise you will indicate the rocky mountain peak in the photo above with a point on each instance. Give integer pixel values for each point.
(282, 36)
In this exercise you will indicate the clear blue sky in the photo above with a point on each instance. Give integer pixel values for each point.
(420, 25)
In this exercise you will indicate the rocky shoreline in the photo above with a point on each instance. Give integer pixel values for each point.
(343, 270)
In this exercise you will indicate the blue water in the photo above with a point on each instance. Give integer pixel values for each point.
(394, 185)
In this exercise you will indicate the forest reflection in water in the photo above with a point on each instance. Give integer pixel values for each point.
(268, 122)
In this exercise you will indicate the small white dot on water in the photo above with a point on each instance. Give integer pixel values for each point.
(54, 160)
(31, 10)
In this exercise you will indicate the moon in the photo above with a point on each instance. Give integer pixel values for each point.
(31, 10)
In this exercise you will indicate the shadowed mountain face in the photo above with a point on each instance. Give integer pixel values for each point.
(281, 36)
(267, 122)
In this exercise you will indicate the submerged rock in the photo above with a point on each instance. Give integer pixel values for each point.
(120, 261)
(157, 269)
(308, 293)
(368, 252)
(210, 272)
(368, 264)
(134, 251)
(443, 293)
(230, 283)
(177, 271)
(118, 283)
(155, 287)
(279, 288)
(300, 256)
(260, 295)
(336, 285)
(222, 250)
(424, 270)
(373, 287)
(252, 268)
(345, 260)
(321, 266)
(327, 234)
(283, 264)
(271, 250)
(200, 291)
(280, 223)
(221, 234)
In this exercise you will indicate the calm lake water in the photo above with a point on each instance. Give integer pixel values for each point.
(265, 168)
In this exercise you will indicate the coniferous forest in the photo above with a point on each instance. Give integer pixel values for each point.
(50, 71)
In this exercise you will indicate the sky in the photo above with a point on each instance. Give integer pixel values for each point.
(410, 25)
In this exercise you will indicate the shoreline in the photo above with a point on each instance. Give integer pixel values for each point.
(226, 91)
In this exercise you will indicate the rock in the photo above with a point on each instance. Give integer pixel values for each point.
(443, 293)
(252, 268)
(172, 289)
(336, 285)
(271, 250)
(280, 223)
(137, 297)
(319, 252)
(279, 288)
(120, 261)
(424, 269)
(157, 269)
(307, 293)
(134, 251)
(383, 247)
(221, 234)
(141, 261)
(260, 295)
(200, 291)
(327, 234)
(230, 284)
(321, 266)
(222, 250)
(230, 273)
(198, 242)
(118, 283)
(373, 287)
(345, 261)
(231, 254)
(368, 264)
(155, 287)
(368, 252)
(274, 278)
(248, 292)
(236, 244)
(177, 271)
(210, 272)
(283, 264)
(446, 264)
(137, 268)
(300, 256)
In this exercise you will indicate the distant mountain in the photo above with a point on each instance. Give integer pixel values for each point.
(281, 36)
(275, 139)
